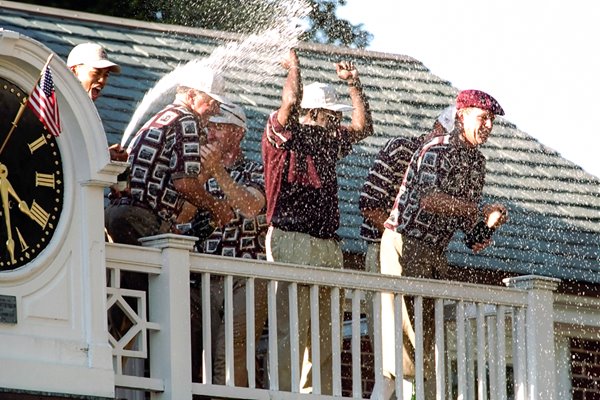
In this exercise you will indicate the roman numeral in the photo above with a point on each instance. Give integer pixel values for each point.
(44, 180)
(38, 214)
(36, 144)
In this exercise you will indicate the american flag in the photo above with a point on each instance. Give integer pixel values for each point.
(42, 102)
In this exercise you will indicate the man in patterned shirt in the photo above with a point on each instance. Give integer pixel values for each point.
(240, 183)
(301, 146)
(164, 158)
(380, 189)
(165, 162)
(440, 193)
(384, 179)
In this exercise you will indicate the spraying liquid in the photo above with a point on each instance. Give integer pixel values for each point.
(261, 53)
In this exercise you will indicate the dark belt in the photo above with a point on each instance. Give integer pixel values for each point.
(333, 236)
(128, 201)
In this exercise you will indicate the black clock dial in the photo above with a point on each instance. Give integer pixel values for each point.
(31, 182)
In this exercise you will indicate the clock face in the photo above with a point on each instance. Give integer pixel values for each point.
(31, 182)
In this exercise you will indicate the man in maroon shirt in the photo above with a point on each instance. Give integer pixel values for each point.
(301, 145)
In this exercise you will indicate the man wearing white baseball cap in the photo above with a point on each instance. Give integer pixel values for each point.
(240, 183)
(90, 63)
(301, 146)
(165, 161)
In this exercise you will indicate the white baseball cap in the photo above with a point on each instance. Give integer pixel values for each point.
(446, 118)
(93, 55)
(206, 80)
(321, 95)
(230, 114)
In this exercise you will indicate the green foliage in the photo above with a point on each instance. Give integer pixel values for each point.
(227, 15)
(325, 27)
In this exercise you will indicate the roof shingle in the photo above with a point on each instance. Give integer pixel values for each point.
(554, 206)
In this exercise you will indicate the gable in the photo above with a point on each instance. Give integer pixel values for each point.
(554, 206)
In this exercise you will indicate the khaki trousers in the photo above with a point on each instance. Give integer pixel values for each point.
(371, 265)
(300, 248)
(405, 256)
(239, 328)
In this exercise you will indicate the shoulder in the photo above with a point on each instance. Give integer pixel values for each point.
(441, 145)
(400, 144)
(272, 121)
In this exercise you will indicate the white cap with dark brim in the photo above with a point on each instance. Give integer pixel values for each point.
(230, 114)
(321, 95)
(207, 81)
(92, 55)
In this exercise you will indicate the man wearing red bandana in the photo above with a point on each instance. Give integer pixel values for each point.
(441, 193)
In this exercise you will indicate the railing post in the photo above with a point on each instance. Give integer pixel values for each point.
(169, 305)
(541, 360)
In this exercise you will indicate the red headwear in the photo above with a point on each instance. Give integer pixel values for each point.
(478, 99)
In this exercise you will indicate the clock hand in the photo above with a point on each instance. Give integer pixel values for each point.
(9, 190)
(4, 188)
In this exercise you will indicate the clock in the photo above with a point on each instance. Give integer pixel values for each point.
(31, 182)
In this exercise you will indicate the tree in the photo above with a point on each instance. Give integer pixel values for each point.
(226, 15)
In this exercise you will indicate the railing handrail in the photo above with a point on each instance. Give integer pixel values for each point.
(358, 280)
(144, 259)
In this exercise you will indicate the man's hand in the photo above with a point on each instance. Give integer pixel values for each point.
(477, 247)
(346, 70)
(495, 215)
(117, 153)
(291, 61)
(211, 155)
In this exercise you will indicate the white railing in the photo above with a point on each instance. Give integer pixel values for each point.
(483, 334)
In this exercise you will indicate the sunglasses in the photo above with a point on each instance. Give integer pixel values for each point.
(333, 116)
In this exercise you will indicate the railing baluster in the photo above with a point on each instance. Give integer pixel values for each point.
(440, 381)
(315, 338)
(206, 332)
(336, 373)
(356, 345)
(461, 359)
(520, 352)
(481, 359)
(376, 340)
(250, 333)
(419, 365)
(492, 355)
(229, 369)
(294, 338)
(399, 341)
(471, 393)
(450, 344)
(273, 351)
(501, 350)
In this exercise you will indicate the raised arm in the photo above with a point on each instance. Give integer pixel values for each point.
(450, 206)
(362, 121)
(292, 90)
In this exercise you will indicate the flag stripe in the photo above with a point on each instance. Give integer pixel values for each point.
(42, 102)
